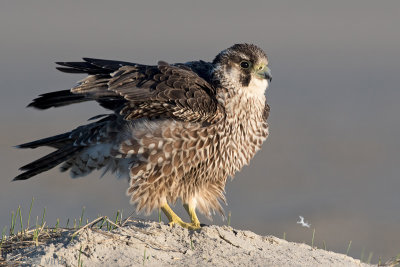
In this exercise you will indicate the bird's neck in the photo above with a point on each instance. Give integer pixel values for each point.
(241, 105)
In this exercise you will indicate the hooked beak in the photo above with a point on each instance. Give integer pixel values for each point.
(265, 73)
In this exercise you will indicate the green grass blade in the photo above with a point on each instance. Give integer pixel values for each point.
(29, 215)
(348, 248)
(20, 220)
(312, 240)
(81, 219)
(44, 215)
(36, 234)
(80, 263)
(370, 257)
(116, 218)
(3, 236)
(12, 223)
(56, 227)
(102, 223)
(362, 254)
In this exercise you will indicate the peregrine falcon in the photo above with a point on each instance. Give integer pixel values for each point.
(176, 131)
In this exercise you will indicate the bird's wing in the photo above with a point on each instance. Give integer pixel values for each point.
(136, 91)
(165, 91)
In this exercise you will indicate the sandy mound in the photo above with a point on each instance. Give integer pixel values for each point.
(154, 244)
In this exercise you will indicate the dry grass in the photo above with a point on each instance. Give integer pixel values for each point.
(31, 236)
(28, 236)
(42, 235)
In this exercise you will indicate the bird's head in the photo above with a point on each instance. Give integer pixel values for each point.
(243, 67)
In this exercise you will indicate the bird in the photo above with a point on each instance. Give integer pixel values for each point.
(175, 131)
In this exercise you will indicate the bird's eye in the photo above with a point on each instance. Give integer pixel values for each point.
(244, 64)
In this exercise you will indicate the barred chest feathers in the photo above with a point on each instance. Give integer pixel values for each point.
(167, 152)
(209, 153)
(243, 131)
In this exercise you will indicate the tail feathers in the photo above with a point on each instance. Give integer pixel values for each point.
(57, 99)
(57, 141)
(47, 162)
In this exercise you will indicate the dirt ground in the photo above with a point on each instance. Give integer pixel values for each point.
(144, 243)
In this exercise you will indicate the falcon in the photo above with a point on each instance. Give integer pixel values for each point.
(176, 131)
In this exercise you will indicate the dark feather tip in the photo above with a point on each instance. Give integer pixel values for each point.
(32, 105)
(18, 178)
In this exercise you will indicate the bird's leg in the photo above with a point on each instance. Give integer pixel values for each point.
(171, 215)
(193, 217)
(174, 219)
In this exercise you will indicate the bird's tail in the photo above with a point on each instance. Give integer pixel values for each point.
(65, 150)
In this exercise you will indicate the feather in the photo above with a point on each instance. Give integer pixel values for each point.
(47, 162)
(57, 99)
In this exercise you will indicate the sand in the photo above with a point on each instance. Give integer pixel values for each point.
(148, 243)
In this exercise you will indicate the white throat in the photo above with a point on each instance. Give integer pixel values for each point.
(257, 87)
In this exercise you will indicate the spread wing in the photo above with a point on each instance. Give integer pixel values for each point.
(137, 91)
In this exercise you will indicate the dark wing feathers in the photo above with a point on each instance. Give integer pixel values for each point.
(109, 64)
(71, 143)
(93, 87)
(80, 67)
(47, 162)
(180, 91)
(165, 90)
(57, 157)
(56, 141)
(57, 99)
(92, 66)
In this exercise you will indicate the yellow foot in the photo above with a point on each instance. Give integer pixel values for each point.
(174, 219)
(192, 214)
(190, 226)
